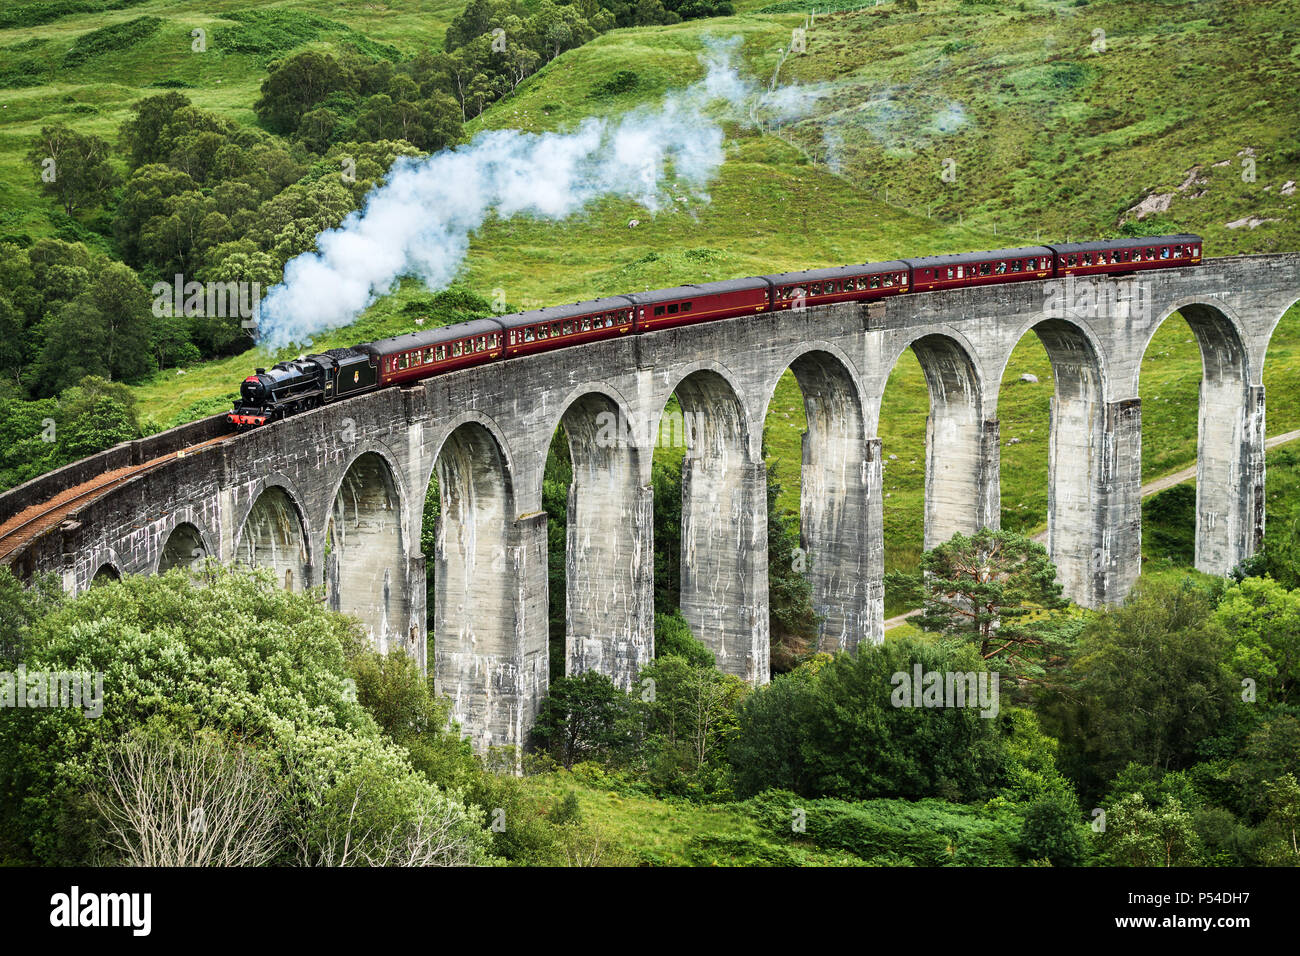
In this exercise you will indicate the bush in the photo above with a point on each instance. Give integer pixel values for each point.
(835, 732)
(233, 654)
(894, 832)
(1052, 831)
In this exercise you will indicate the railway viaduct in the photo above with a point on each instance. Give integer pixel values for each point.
(335, 497)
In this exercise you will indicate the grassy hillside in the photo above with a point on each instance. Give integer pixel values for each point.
(1048, 136)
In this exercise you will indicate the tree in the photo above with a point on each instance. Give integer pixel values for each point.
(144, 200)
(1147, 684)
(166, 799)
(692, 716)
(1140, 835)
(586, 718)
(834, 729)
(21, 605)
(101, 423)
(1284, 819)
(1262, 621)
(104, 332)
(996, 589)
(1052, 831)
(141, 136)
(283, 688)
(73, 167)
(295, 85)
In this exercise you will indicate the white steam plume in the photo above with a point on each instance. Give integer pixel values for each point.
(420, 220)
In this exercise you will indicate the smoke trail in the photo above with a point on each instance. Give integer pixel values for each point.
(420, 221)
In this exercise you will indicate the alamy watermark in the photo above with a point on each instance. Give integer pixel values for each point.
(48, 689)
(946, 689)
(238, 300)
(1097, 299)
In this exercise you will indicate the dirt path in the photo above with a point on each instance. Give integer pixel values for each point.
(1152, 488)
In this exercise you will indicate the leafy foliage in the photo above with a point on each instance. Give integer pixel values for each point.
(996, 589)
(231, 653)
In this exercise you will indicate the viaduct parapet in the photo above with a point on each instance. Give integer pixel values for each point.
(336, 496)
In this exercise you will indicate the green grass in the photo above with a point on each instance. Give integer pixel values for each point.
(650, 831)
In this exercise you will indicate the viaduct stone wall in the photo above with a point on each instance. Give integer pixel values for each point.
(335, 497)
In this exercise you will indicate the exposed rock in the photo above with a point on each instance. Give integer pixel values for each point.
(1029, 377)
(1251, 221)
(1156, 202)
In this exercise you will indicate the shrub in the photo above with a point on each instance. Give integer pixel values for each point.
(233, 654)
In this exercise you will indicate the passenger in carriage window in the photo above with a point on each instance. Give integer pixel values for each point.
(1164, 252)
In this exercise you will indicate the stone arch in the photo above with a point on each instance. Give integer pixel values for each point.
(1272, 327)
(724, 525)
(961, 490)
(365, 565)
(844, 547)
(1230, 423)
(609, 563)
(476, 574)
(274, 536)
(1077, 469)
(185, 547)
(107, 572)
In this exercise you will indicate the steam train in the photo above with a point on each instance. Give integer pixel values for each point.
(313, 380)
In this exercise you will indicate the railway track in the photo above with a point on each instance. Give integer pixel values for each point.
(33, 521)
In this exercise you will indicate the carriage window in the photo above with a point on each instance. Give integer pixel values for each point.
(659, 310)
(456, 349)
(1178, 252)
(441, 352)
(985, 268)
(625, 317)
(950, 272)
(403, 360)
(586, 323)
(568, 327)
(529, 334)
(1071, 260)
(1164, 252)
(672, 309)
(686, 306)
